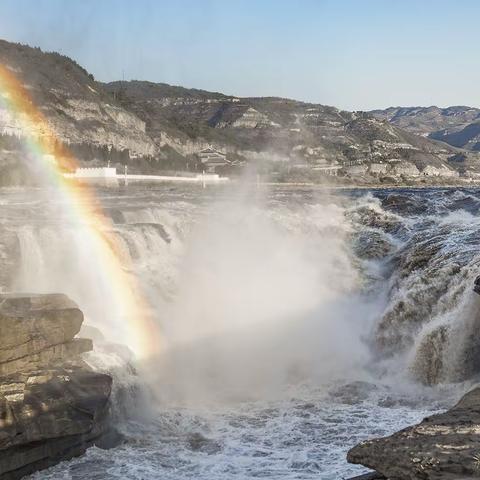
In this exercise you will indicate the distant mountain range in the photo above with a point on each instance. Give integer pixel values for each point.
(154, 126)
(458, 126)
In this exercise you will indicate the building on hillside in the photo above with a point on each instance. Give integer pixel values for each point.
(212, 159)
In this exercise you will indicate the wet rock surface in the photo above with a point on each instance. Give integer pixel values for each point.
(52, 406)
(444, 446)
(369, 476)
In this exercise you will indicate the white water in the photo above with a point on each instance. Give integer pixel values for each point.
(268, 309)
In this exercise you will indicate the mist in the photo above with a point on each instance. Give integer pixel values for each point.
(250, 294)
(267, 296)
(285, 311)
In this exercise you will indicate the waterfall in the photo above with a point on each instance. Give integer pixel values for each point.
(253, 291)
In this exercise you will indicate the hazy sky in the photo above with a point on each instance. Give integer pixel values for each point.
(354, 54)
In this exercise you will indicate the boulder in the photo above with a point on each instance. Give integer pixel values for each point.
(32, 323)
(52, 405)
(48, 416)
(442, 447)
(47, 356)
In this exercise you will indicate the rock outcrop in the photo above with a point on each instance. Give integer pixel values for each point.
(76, 107)
(52, 405)
(442, 447)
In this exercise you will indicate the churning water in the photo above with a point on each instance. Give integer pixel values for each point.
(296, 322)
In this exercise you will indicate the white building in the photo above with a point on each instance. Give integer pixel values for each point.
(100, 172)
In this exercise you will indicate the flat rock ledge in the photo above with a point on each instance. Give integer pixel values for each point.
(444, 447)
(52, 405)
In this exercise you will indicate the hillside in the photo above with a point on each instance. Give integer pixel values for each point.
(77, 107)
(459, 126)
(304, 135)
(155, 126)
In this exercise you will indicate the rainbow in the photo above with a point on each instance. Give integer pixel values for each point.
(52, 159)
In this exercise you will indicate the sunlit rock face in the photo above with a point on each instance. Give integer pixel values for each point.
(442, 446)
(37, 331)
(76, 108)
(52, 406)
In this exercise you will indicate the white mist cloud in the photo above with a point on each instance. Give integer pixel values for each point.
(267, 295)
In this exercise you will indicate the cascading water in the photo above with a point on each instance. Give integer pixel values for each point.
(431, 316)
(295, 323)
(254, 308)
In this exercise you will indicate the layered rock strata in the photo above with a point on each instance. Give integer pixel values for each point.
(52, 405)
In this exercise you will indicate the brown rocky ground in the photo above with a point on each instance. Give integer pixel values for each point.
(441, 447)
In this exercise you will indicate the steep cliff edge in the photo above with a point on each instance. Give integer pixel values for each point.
(52, 405)
(441, 447)
(74, 104)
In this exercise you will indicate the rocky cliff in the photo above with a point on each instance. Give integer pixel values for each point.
(441, 447)
(288, 132)
(75, 105)
(52, 405)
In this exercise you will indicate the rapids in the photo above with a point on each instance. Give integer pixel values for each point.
(296, 322)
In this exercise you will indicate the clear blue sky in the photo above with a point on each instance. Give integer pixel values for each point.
(354, 54)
